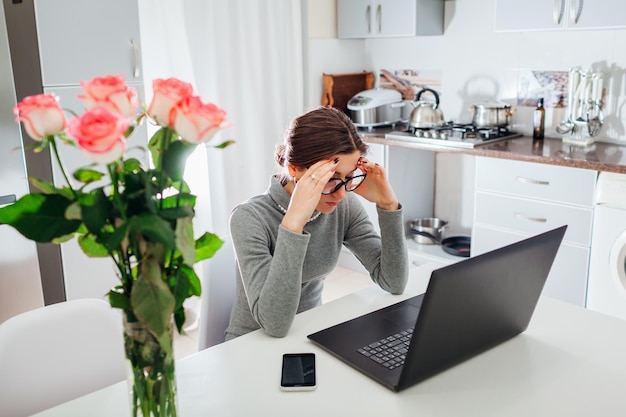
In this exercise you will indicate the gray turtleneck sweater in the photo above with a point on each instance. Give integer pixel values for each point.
(281, 273)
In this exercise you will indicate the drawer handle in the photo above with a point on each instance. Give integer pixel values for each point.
(526, 180)
(529, 218)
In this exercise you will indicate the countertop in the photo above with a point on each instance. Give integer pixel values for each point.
(598, 156)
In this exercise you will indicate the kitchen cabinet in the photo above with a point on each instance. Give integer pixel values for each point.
(515, 200)
(82, 39)
(515, 15)
(389, 18)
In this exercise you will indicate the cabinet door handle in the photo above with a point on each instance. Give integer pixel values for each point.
(368, 14)
(529, 218)
(7, 199)
(575, 12)
(558, 11)
(136, 68)
(379, 13)
(526, 180)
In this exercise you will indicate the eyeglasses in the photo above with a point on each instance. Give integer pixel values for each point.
(351, 183)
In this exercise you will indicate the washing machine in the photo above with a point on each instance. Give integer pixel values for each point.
(606, 286)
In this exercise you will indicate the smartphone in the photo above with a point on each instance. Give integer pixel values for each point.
(298, 372)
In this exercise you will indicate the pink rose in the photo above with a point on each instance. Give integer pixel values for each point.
(41, 114)
(100, 133)
(197, 121)
(167, 93)
(111, 93)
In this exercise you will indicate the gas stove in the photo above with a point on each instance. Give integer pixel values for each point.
(454, 135)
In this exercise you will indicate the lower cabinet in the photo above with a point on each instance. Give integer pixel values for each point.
(568, 278)
(515, 200)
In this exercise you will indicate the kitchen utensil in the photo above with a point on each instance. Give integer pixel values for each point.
(565, 127)
(426, 114)
(572, 88)
(491, 114)
(455, 245)
(376, 107)
(594, 123)
(433, 226)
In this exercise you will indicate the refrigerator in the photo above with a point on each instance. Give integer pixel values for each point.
(20, 278)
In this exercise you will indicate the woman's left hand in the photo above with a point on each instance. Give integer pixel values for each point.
(376, 187)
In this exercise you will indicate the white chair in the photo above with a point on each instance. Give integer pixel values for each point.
(218, 295)
(55, 353)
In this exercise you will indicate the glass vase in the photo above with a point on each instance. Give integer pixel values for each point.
(150, 372)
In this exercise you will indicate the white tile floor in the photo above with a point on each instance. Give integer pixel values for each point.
(340, 282)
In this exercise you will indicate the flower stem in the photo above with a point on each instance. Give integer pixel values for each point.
(57, 156)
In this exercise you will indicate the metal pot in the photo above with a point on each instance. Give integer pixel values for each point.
(491, 114)
(426, 114)
(433, 226)
(376, 107)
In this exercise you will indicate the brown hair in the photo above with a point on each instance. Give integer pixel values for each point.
(316, 135)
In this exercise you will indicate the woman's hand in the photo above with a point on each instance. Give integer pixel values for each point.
(307, 193)
(376, 187)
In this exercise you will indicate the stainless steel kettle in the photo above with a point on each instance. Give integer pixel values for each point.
(426, 114)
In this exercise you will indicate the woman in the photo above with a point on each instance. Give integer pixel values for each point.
(289, 238)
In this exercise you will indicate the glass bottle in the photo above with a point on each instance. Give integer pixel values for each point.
(539, 119)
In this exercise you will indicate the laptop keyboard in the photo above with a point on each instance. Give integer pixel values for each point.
(389, 352)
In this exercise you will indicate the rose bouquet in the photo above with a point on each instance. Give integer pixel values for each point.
(141, 217)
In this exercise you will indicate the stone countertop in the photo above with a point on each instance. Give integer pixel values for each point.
(598, 156)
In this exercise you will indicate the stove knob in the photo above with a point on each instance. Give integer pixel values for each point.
(427, 134)
(443, 135)
(419, 133)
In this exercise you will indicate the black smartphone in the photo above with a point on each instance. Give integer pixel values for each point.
(298, 372)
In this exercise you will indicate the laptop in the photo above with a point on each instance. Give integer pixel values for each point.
(468, 308)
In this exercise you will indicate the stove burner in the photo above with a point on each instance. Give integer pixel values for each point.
(463, 131)
(455, 135)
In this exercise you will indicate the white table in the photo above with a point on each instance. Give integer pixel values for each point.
(570, 362)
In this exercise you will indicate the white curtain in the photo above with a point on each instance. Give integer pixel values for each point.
(247, 57)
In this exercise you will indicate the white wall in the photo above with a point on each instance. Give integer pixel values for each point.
(477, 64)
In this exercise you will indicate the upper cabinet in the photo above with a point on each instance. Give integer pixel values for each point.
(514, 15)
(83, 39)
(389, 18)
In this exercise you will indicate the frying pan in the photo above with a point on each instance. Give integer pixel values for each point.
(454, 245)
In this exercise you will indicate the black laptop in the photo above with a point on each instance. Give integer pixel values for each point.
(468, 307)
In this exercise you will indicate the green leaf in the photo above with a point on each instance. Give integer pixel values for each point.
(224, 144)
(39, 217)
(154, 228)
(185, 241)
(119, 300)
(88, 176)
(207, 245)
(115, 240)
(181, 288)
(176, 212)
(181, 199)
(96, 212)
(151, 299)
(91, 247)
(132, 165)
(175, 157)
(195, 285)
(48, 188)
(162, 137)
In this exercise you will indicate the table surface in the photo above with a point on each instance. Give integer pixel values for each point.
(570, 362)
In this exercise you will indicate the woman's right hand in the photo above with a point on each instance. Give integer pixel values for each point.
(307, 193)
